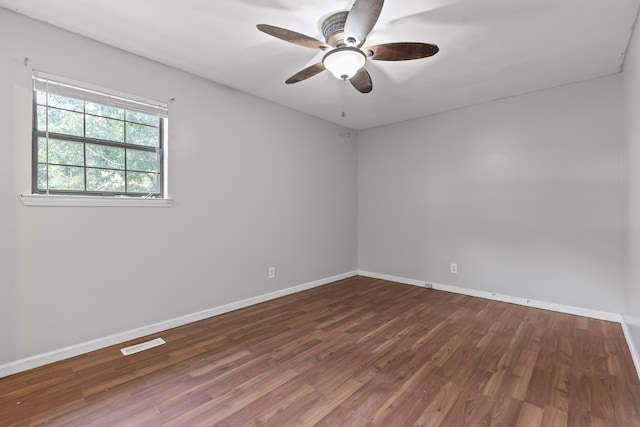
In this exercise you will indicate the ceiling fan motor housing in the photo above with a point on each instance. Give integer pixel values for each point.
(333, 29)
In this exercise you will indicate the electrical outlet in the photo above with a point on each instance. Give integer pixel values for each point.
(454, 268)
(272, 272)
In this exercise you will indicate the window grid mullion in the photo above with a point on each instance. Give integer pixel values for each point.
(84, 144)
(104, 142)
(126, 166)
(46, 126)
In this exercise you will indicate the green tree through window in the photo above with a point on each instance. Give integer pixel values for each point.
(95, 143)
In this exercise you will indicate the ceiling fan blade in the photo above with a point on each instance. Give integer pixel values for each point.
(401, 51)
(362, 81)
(362, 18)
(292, 36)
(306, 73)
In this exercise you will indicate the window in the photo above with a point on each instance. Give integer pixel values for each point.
(90, 141)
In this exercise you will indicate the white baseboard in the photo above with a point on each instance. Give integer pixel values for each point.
(632, 348)
(78, 349)
(595, 314)
(404, 280)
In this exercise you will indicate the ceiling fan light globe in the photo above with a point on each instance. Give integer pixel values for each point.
(344, 62)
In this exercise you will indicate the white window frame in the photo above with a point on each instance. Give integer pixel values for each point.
(86, 92)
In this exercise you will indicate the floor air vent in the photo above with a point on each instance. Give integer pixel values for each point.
(142, 346)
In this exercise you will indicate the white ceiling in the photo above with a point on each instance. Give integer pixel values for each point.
(489, 49)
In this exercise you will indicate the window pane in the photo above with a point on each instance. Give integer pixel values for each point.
(138, 182)
(105, 111)
(105, 157)
(142, 161)
(61, 152)
(65, 103)
(142, 135)
(105, 180)
(42, 150)
(103, 128)
(42, 118)
(66, 178)
(145, 119)
(42, 177)
(66, 122)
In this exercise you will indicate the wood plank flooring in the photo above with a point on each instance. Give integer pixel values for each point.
(359, 352)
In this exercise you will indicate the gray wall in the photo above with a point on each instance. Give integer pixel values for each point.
(525, 194)
(631, 77)
(8, 205)
(255, 185)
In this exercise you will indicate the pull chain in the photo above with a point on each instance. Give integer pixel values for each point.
(343, 97)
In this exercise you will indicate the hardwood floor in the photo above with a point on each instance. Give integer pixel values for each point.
(359, 352)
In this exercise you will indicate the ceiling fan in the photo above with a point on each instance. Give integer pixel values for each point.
(345, 34)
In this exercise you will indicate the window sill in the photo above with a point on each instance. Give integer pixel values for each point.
(94, 201)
